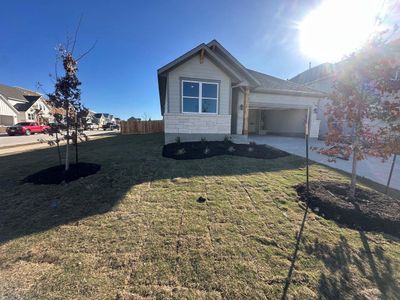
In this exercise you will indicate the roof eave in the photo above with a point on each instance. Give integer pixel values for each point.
(289, 92)
(235, 61)
(9, 104)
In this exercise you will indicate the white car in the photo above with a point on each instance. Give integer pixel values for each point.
(91, 126)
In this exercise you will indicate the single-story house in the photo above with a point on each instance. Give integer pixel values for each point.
(20, 105)
(208, 93)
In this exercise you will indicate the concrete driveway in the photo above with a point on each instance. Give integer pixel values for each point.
(371, 168)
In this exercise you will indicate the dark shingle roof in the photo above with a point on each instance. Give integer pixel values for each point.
(26, 105)
(269, 82)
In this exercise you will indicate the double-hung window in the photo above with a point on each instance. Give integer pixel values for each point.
(199, 97)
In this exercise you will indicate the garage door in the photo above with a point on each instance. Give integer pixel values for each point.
(6, 120)
(287, 122)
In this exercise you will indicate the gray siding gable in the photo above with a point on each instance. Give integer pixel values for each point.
(194, 70)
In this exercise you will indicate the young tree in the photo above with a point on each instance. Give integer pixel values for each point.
(355, 108)
(67, 94)
(386, 58)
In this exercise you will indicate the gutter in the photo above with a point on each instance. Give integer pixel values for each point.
(289, 92)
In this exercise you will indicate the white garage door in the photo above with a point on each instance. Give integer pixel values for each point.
(6, 120)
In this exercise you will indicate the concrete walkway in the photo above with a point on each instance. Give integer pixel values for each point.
(18, 140)
(371, 168)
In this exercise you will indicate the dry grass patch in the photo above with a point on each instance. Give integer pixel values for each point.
(134, 230)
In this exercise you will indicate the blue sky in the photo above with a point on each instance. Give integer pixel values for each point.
(135, 38)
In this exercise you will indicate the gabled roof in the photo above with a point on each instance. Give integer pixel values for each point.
(16, 92)
(202, 47)
(2, 98)
(321, 71)
(98, 115)
(258, 82)
(220, 50)
(26, 105)
(163, 71)
(273, 84)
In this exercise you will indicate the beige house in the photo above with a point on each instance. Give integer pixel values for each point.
(207, 93)
(20, 105)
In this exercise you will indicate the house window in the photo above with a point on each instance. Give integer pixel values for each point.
(199, 97)
(31, 116)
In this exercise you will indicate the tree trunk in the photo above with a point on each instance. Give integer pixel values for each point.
(58, 149)
(353, 174)
(390, 174)
(67, 149)
(353, 182)
(76, 145)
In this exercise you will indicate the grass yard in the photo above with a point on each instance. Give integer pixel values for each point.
(134, 230)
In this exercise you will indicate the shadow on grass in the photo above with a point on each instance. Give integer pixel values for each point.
(342, 262)
(125, 162)
(294, 256)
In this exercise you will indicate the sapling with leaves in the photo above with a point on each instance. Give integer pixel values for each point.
(352, 119)
(386, 58)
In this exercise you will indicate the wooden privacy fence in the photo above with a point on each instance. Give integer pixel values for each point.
(142, 127)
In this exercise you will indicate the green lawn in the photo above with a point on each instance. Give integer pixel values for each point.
(135, 231)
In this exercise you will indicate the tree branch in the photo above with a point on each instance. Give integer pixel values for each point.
(76, 33)
(87, 52)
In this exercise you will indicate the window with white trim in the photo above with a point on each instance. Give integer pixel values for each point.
(199, 97)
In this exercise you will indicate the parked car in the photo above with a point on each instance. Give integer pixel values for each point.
(26, 128)
(110, 126)
(91, 126)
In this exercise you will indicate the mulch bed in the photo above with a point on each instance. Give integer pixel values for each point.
(57, 174)
(370, 210)
(199, 150)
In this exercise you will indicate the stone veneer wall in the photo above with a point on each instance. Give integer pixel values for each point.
(195, 126)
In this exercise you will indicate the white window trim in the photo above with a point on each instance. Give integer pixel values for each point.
(200, 97)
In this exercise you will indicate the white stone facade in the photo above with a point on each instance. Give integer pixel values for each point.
(197, 123)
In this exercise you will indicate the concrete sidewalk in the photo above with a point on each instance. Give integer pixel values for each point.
(19, 140)
(371, 168)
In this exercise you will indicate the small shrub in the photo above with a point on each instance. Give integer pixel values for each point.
(203, 140)
(231, 149)
(178, 140)
(227, 139)
(207, 150)
(181, 151)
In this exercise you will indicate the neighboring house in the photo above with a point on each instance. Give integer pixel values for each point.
(207, 93)
(20, 105)
(103, 118)
(134, 119)
(322, 78)
(99, 119)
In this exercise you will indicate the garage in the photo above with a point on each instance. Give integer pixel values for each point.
(284, 122)
(6, 120)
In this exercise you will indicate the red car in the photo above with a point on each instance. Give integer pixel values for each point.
(27, 128)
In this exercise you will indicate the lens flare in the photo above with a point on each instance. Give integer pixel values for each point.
(338, 27)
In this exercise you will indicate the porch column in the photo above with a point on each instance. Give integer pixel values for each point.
(246, 111)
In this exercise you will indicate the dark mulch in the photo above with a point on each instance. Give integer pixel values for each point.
(370, 210)
(57, 174)
(198, 150)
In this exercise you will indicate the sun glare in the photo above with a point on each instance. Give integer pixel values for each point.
(338, 27)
